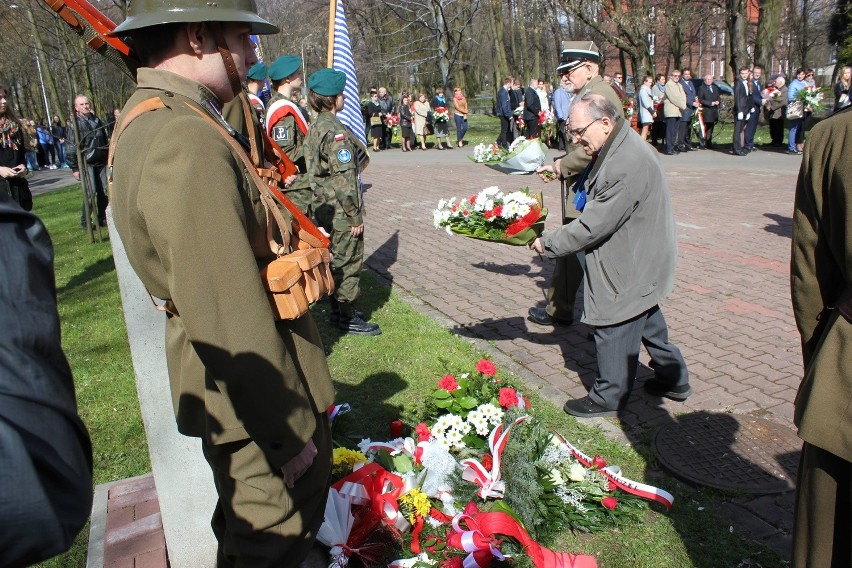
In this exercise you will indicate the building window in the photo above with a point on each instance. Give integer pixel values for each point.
(722, 41)
(713, 67)
(652, 39)
(713, 37)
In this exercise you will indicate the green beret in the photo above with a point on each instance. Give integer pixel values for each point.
(284, 66)
(257, 71)
(327, 82)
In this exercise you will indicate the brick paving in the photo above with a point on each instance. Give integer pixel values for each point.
(729, 313)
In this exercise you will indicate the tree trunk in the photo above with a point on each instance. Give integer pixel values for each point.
(768, 29)
(46, 73)
(501, 65)
(737, 28)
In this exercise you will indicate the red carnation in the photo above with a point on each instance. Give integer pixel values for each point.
(486, 367)
(488, 214)
(455, 207)
(448, 383)
(508, 397)
(472, 199)
(599, 462)
(422, 432)
(488, 462)
(452, 562)
(611, 486)
(609, 502)
(498, 210)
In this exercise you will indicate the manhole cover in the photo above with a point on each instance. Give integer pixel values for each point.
(730, 452)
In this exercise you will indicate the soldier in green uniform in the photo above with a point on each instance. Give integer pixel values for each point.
(287, 126)
(255, 390)
(580, 62)
(331, 154)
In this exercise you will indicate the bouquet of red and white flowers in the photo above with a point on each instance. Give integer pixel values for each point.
(488, 153)
(515, 218)
(441, 114)
(627, 106)
(547, 124)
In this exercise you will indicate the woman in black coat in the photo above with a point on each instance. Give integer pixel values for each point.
(376, 116)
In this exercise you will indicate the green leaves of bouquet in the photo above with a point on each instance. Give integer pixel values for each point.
(460, 396)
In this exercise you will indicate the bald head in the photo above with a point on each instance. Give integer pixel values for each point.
(82, 106)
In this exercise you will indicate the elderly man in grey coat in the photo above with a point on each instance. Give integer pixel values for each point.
(625, 239)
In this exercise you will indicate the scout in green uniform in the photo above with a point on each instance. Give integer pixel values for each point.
(254, 389)
(580, 62)
(331, 153)
(255, 81)
(287, 126)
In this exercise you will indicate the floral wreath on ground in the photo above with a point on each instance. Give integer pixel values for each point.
(478, 482)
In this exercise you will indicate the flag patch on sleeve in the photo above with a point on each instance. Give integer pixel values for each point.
(339, 137)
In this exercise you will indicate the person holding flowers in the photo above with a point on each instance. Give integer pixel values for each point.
(775, 104)
(460, 115)
(405, 122)
(441, 118)
(796, 121)
(421, 115)
(627, 234)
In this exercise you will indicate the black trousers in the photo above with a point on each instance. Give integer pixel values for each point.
(671, 132)
(532, 128)
(708, 134)
(561, 135)
(776, 131)
(751, 128)
(505, 137)
(739, 136)
(683, 134)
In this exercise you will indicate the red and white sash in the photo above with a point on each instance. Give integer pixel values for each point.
(281, 108)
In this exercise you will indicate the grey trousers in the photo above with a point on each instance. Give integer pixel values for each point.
(618, 357)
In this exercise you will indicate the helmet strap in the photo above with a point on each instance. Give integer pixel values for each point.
(227, 58)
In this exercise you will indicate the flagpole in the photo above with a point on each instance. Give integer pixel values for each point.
(332, 14)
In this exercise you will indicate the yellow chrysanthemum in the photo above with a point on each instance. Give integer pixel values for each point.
(345, 459)
(415, 503)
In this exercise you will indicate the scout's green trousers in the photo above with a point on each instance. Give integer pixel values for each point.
(348, 257)
(259, 521)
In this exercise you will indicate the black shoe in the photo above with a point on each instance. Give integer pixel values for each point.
(587, 408)
(657, 387)
(672, 153)
(334, 316)
(735, 153)
(541, 317)
(358, 326)
(792, 152)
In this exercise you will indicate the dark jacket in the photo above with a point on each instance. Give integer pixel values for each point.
(689, 89)
(504, 103)
(742, 98)
(94, 142)
(46, 476)
(707, 95)
(532, 104)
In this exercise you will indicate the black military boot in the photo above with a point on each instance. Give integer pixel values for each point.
(334, 315)
(351, 321)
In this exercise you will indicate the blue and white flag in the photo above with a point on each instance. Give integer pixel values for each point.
(266, 92)
(343, 61)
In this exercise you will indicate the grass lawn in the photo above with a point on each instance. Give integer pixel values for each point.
(383, 378)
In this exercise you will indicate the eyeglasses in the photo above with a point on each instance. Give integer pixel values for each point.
(576, 134)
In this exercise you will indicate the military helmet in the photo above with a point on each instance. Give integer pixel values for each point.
(146, 13)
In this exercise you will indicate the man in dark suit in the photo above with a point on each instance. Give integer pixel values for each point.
(532, 106)
(743, 104)
(757, 103)
(46, 476)
(708, 97)
(504, 110)
(684, 132)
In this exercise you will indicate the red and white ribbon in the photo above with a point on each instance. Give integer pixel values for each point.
(613, 473)
(489, 482)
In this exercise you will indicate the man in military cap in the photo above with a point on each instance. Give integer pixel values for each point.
(252, 388)
(580, 64)
(331, 153)
(286, 124)
(255, 82)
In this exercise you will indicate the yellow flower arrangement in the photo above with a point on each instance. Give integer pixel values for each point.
(344, 459)
(413, 504)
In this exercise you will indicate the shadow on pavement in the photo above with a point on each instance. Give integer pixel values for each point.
(783, 225)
